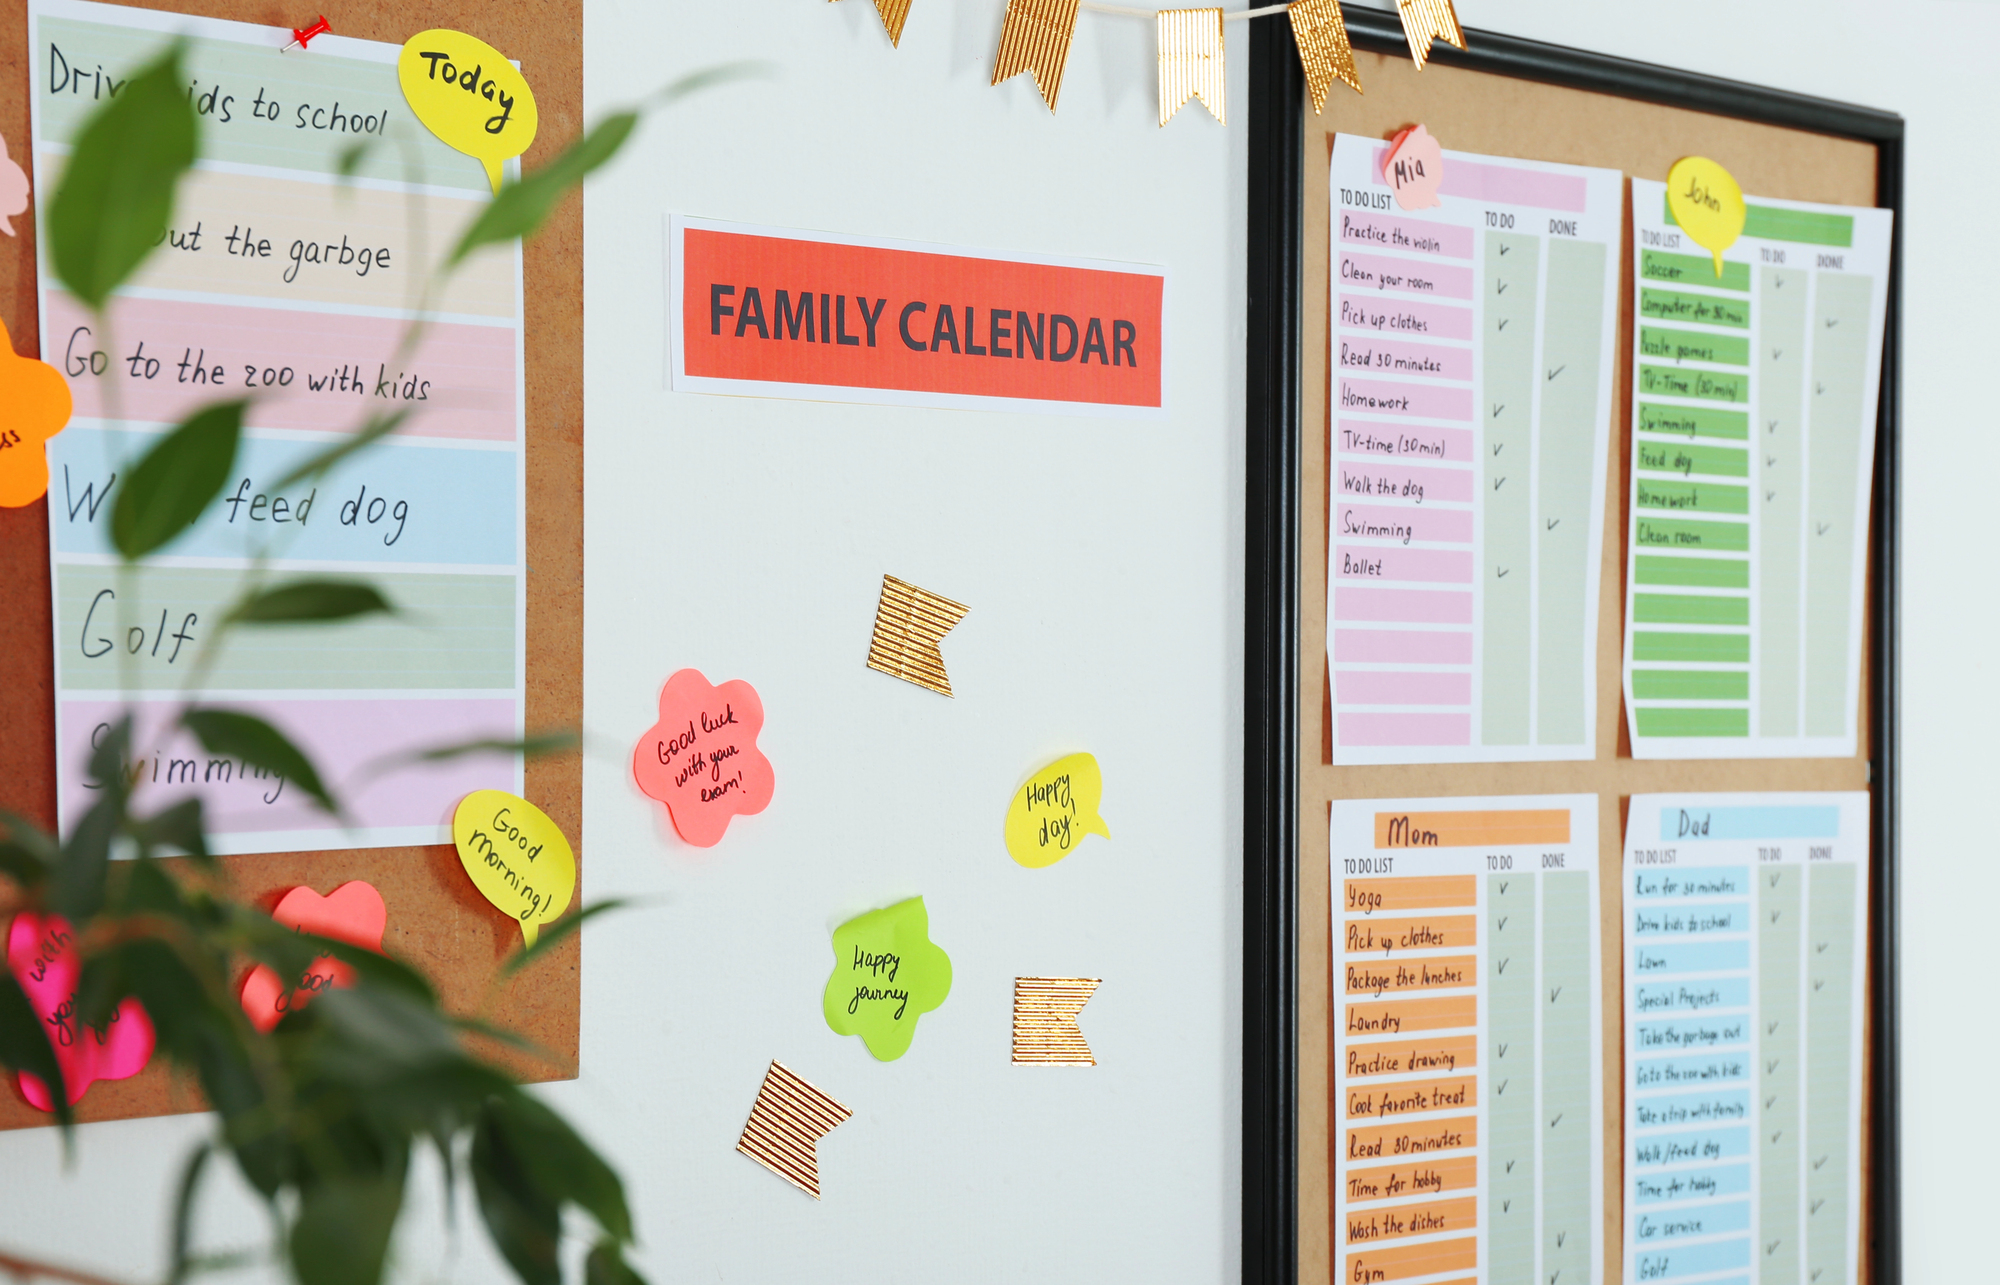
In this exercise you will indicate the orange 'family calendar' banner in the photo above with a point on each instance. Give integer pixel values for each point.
(768, 312)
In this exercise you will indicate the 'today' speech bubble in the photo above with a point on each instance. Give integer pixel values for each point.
(468, 94)
(517, 857)
(1054, 809)
(1705, 200)
(887, 972)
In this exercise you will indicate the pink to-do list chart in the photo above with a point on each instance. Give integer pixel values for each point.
(282, 282)
(1473, 346)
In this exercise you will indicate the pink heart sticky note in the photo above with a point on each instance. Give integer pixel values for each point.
(13, 190)
(41, 951)
(352, 913)
(701, 759)
(1414, 166)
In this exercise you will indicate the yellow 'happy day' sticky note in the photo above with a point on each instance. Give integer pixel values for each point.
(468, 94)
(1054, 809)
(517, 857)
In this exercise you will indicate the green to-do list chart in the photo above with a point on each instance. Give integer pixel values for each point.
(1754, 379)
(1744, 977)
(1468, 1084)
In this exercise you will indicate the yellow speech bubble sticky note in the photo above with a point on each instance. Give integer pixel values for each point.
(468, 94)
(1707, 203)
(1054, 809)
(517, 857)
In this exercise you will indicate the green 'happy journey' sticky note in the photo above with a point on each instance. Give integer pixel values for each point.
(886, 974)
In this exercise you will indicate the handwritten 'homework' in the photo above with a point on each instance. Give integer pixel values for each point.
(1054, 809)
(886, 974)
(701, 759)
(353, 913)
(517, 857)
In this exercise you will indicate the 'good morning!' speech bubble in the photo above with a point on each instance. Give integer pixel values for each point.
(468, 94)
(1054, 809)
(517, 857)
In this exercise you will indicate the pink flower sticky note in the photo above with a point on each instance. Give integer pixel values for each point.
(701, 759)
(41, 951)
(13, 190)
(352, 913)
(1414, 166)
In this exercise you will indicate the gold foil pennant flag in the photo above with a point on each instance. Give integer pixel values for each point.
(1035, 38)
(893, 13)
(1190, 60)
(1045, 1029)
(1324, 53)
(1428, 20)
(909, 624)
(789, 1117)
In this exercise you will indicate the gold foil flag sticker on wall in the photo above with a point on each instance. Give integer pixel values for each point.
(909, 624)
(893, 12)
(1035, 38)
(1045, 1029)
(1428, 20)
(1324, 53)
(1191, 60)
(787, 1121)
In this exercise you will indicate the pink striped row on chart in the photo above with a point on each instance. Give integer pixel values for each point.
(1403, 276)
(1387, 232)
(1368, 562)
(339, 736)
(1401, 687)
(1425, 401)
(1405, 729)
(1402, 646)
(1402, 441)
(1395, 357)
(459, 382)
(1506, 185)
(1402, 606)
(1405, 317)
(1403, 523)
(1401, 482)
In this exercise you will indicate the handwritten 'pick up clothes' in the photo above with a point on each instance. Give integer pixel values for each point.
(1744, 977)
(1469, 429)
(1468, 1082)
(1755, 390)
(282, 283)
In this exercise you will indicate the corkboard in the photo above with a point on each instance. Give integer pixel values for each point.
(437, 921)
(1479, 112)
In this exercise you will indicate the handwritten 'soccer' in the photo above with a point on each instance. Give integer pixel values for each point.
(41, 952)
(353, 913)
(701, 759)
(886, 974)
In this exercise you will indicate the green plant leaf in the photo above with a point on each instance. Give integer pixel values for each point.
(117, 191)
(184, 1197)
(179, 826)
(352, 156)
(553, 933)
(377, 428)
(308, 601)
(176, 480)
(76, 892)
(341, 1236)
(560, 1164)
(24, 1043)
(532, 746)
(606, 1265)
(27, 853)
(256, 742)
(522, 207)
(524, 1222)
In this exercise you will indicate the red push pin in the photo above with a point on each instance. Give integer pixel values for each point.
(302, 37)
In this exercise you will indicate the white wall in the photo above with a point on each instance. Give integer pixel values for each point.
(1931, 62)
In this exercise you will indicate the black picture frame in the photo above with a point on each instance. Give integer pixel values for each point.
(1272, 426)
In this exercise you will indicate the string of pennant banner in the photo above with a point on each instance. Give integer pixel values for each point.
(1036, 35)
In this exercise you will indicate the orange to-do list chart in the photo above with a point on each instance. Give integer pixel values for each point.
(1467, 1092)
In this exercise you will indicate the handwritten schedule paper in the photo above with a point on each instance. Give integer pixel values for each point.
(1745, 958)
(1753, 443)
(1468, 1091)
(1471, 416)
(279, 283)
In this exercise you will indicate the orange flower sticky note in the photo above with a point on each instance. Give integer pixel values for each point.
(701, 759)
(352, 913)
(34, 406)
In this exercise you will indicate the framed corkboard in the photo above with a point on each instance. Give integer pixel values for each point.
(437, 921)
(1514, 98)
